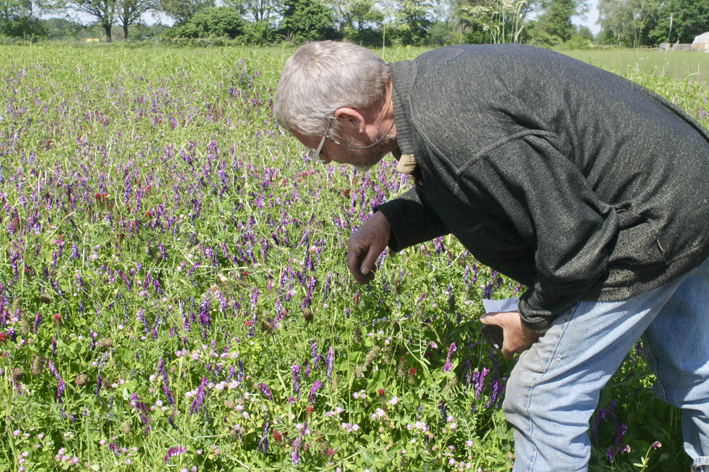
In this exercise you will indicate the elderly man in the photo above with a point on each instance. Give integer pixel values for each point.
(587, 188)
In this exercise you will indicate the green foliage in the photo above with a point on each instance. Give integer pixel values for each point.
(219, 22)
(24, 27)
(556, 19)
(306, 20)
(183, 10)
(688, 18)
(496, 21)
(18, 21)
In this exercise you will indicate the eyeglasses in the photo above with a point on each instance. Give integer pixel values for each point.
(314, 154)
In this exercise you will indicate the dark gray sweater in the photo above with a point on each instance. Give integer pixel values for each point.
(574, 181)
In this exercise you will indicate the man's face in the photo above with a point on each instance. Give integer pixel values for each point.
(361, 159)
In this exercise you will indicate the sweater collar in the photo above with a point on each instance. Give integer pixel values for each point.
(402, 78)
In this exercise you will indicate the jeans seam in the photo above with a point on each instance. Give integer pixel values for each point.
(659, 382)
(546, 369)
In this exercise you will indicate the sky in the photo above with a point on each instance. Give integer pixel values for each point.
(591, 18)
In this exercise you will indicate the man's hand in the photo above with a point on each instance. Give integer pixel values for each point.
(365, 245)
(517, 338)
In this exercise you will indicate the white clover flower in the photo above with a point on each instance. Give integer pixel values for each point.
(394, 401)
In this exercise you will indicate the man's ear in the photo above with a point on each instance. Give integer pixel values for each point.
(349, 119)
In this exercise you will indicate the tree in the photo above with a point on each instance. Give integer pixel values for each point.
(501, 20)
(130, 11)
(183, 10)
(628, 22)
(211, 22)
(18, 18)
(256, 10)
(680, 20)
(306, 20)
(105, 12)
(556, 19)
(414, 18)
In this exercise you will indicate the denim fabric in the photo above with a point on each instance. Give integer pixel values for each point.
(554, 388)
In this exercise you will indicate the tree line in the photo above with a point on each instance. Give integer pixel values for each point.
(547, 23)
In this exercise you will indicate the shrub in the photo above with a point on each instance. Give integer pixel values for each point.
(218, 22)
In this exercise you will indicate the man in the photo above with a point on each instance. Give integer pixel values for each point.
(587, 188)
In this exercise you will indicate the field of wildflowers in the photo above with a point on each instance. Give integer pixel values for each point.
(173, 293)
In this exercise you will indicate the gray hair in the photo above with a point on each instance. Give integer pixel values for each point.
(324, 76)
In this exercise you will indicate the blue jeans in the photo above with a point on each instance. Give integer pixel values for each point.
(554, 388)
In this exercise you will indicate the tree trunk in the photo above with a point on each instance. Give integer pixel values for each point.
(107, 28)
(125, 31)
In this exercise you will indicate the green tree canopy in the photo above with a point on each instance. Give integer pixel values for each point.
(307, 20)
(182, 10)
(681, 20)
(210, 22)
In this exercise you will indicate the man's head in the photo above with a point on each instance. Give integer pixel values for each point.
(340, 89)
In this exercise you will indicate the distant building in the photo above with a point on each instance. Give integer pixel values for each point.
(701, 42)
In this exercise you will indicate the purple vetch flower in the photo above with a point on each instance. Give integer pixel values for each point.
(327, 286)
(296, 382)
(295, 451)
(141, 317)
(496, 389)
(467, 375)
(174, 451)
(264, 439)
(444, 413)
(62, 385)
(266, 391)
(448, 366)
(309, 296)
(314, 390)
(199, 398)
(479, 382)
(314, 353)
(37, 322)
(166, 385)
(142, 411)
(99, 382)
(330, 363)
(601, 414)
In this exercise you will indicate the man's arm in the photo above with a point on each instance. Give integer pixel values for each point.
(399, 223)
(412, 220)
(540, 191)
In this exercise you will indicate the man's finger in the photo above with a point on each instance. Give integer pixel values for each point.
(354, 264)
(369, 262)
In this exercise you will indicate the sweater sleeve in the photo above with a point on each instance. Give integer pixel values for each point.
(412, 220)
(529, 183)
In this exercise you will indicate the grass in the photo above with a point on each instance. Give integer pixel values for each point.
(692, 66)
